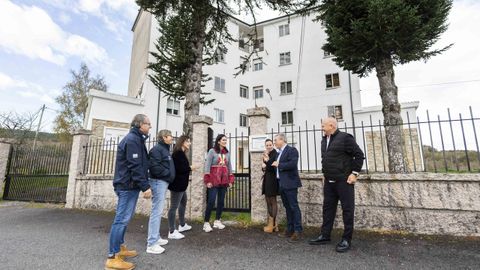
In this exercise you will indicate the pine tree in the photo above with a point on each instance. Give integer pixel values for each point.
(193, 33)
(379, 34)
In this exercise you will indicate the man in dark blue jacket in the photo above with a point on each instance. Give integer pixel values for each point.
(342, 160)
(289, 182)
(130, 177)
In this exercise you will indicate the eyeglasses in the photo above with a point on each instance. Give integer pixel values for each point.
(149, 124)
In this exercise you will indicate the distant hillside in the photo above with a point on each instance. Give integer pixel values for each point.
(27, 136)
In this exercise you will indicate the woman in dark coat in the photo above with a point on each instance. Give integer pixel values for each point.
(270, 186)
(178, 194)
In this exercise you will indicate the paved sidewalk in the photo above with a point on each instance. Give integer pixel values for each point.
(57, 238)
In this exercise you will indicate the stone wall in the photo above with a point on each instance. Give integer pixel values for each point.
(420, 203)
(377, 157)
(98, 127)
(423, 203)
(96, 193)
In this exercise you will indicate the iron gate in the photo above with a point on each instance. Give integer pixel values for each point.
(39, 175)
(238, 197)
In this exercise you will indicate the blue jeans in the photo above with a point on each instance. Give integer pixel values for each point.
(159, 190)
(127, 201)
(294, 216)
(212, 195)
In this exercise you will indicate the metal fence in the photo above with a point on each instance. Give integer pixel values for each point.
(39, 174)
(431, 145)
(100, 154)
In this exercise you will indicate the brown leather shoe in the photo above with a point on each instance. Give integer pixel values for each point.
(118, 263)
(125, 253)
(296, 236)
(285, 234)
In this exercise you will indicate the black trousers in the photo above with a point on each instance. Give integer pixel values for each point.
(333, 192)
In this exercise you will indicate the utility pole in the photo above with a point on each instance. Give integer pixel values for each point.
(38, 126)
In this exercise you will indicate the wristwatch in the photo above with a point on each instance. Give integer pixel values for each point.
(355, 173)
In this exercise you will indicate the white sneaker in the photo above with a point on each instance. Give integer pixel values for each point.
(162, 242)
(184, 228)
(207, 227)
(175, 235)
(217, 224)
(155, 249)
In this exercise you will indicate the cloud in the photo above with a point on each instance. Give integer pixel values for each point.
(7, 82)
(27, 89)
(117, 15)
(34, 34)
(451, 79)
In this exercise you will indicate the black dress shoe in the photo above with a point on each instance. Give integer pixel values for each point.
(343, 246)
(321, 240)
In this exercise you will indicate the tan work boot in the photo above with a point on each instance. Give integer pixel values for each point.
(118, 263)
(125, 253)
(269, 228)
(275, 225)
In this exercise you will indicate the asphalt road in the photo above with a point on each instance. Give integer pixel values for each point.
(37, 237)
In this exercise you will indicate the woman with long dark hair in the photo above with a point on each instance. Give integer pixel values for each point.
(270, 186)
(178, 194)
(218, 176)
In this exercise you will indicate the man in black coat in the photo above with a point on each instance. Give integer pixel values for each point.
(342, 160)
(130, 177)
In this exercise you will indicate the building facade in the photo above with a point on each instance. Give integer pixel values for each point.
(289, 74)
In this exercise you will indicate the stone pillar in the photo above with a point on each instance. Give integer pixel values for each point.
(4, 155)
(77, 161)
(258, 126)
(197, 201)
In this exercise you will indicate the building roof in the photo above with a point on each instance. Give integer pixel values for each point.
(403, 105)
(236, 19)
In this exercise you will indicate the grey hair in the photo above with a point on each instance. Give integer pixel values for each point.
(282, 136)
(163, 133)
(138, 120)
(332, 120)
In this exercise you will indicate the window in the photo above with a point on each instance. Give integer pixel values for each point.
(258, 92)
(243, 44)
(219, 116)
(285, 88)
(285, 58)
(173, 107)
(335, 111)
(258, 44)
(219, 84)
(220, 55)
(243, 120)
(257, 64)
(284, 30)
(244, 63)
(287, 118)
(243, 91)
(332, 80)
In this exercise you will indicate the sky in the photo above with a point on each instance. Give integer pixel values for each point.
(42, 40)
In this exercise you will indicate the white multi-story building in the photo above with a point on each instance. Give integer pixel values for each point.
(289, 73)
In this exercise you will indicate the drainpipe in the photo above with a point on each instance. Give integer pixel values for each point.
(158, 113)
(351, 102)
